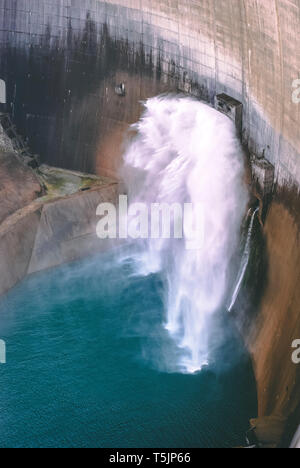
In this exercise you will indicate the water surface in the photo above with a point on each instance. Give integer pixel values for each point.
(85, 367)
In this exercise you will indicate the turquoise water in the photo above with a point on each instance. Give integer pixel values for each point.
(86, 361)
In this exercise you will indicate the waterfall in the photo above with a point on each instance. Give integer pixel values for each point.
(244, 263)
(185, 152)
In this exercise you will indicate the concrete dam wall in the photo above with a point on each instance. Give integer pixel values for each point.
(62, 59)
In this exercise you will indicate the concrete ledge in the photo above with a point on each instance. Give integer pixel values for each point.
(19, 184)
(232, 108)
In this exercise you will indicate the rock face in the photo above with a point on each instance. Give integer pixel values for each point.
(39, 233)
(17, 237)
(278, 324)
(18, 184)
(67, 228)
(6, 145)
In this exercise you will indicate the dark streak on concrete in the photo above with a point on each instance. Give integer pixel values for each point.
(55, 96)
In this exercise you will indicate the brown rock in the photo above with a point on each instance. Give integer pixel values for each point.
(18, 185)
(277, 326)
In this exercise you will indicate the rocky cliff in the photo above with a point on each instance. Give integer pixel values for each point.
(46, 221)
(277, 325)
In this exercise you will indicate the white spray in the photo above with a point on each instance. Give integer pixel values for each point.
(244, 263)
(186, 152)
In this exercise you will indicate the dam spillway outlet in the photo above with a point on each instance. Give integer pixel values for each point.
(263, 176)
(172, 323)
(232, 108)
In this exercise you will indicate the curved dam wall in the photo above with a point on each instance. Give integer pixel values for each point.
(62, 59)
